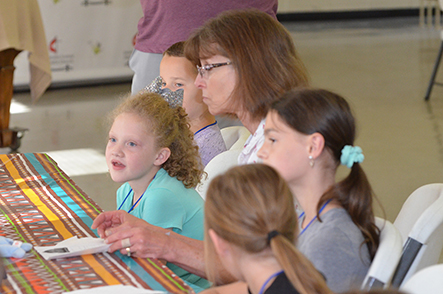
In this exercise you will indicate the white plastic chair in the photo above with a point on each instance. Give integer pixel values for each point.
(219, 164)
(420, 222)
(235, 136)
(386, 258)
(428, 280)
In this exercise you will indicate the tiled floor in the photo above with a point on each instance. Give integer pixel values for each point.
(381, 66)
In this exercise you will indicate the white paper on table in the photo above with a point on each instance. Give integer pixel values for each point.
(115, 289)
(73, 247)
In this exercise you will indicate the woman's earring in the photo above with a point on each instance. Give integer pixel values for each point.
(311, 161)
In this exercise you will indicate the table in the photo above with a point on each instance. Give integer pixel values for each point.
(41, 205)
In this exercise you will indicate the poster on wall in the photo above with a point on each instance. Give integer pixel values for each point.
(87, 40)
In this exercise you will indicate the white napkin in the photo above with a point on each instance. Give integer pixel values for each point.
(73, 247)
(116, 289)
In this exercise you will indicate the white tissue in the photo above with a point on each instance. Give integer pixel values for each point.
(73, 247)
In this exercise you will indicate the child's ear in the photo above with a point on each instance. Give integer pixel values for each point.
(162, 155)
(316, 144)
(221, 246)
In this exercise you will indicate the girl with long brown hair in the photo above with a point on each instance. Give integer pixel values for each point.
(251, 224)
(309, 133)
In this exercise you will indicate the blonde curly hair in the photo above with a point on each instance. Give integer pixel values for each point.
(170, 127)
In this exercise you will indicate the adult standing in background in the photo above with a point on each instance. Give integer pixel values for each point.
(166, 22)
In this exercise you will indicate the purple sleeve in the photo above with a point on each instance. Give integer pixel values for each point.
(166, 22)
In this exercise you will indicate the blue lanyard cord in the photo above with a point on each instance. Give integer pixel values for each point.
(267, 281)
(132, 205)
(312, 220)
(205, 128)
(125, 199)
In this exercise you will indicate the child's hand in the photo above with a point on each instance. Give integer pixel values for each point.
(11, 248)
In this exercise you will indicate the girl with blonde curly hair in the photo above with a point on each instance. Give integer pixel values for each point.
(151, 150)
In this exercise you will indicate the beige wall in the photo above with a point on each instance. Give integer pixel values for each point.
(288, 6)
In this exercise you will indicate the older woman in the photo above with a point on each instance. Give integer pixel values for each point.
(246, 60)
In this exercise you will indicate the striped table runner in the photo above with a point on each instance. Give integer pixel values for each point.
(41, 205)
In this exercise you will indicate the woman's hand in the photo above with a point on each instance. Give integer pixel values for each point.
(122, 230)
(107, 220)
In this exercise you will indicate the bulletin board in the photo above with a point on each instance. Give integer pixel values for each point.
(87, 40)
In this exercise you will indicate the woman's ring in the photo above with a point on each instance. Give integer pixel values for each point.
(128, 251)
(126, 243)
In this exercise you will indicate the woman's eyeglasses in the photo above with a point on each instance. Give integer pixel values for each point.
(203, 70)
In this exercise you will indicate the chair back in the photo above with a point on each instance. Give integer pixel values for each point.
(219, 164)
(428, 280)
(423, 212)
(414, 207)
(235, 136)
(386, 258)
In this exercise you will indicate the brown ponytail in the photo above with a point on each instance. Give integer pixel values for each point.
(243, 206)
(304, 277)
(310, 111)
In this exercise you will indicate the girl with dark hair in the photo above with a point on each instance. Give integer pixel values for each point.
(309, 133)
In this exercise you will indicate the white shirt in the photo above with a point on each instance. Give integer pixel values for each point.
(252, 145)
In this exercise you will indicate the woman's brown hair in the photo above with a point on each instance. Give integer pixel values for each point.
(243, 206)
(170, 127)
(310, 111)
(261, 51)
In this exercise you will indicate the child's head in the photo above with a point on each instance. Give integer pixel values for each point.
(317, 122)
(146, 134)
(177, 72)
(251, 208)
(307, 130)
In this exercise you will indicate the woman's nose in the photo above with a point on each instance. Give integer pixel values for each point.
(199, 82)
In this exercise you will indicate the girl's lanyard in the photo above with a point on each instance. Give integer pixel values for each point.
(267, 281)
(312, 220)
(210, 125)
(135, 202)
